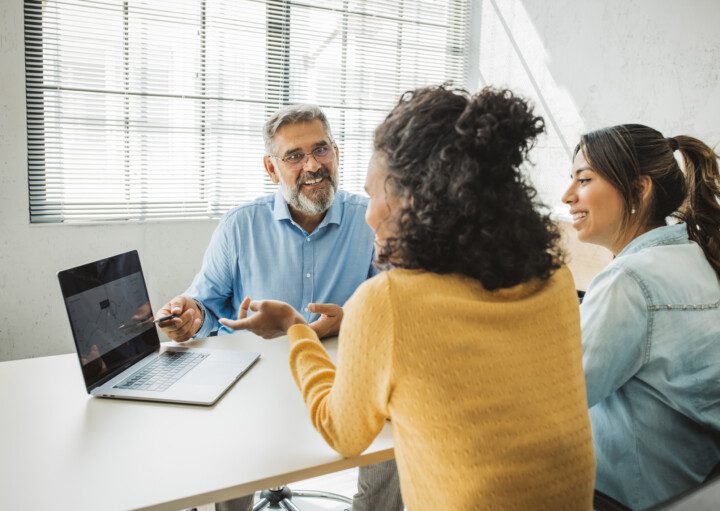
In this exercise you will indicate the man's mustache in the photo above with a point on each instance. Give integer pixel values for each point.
(322, 172)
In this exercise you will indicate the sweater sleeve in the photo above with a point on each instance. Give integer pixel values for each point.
(349, 404)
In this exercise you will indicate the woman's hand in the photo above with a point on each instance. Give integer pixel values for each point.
(272, 318)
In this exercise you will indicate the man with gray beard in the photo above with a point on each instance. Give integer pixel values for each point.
(307, 244)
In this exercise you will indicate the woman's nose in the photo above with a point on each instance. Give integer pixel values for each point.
(569, 195)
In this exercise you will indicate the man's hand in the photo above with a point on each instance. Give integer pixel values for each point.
(271, 319)
(187, 323)
(328, 324)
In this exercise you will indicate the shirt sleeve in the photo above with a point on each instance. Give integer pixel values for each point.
(614, 321)
(348, 404)
(217, 281)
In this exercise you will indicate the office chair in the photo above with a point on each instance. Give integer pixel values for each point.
(602, 502)
(281, 498)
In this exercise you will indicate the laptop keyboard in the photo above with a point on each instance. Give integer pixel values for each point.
(162, 372)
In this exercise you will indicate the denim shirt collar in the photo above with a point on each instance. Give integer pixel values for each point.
(333, 215)
(665, 235)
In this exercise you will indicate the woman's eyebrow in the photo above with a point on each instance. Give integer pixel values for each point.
(581, 169)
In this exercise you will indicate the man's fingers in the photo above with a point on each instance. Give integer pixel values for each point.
(175, 306)
(179, 323)
(237, 324)
(184, 332)
(182, 321)
(329, 309)
(178, 304)
(320, 326)
(242, 313)
(171, 324)
(165, 310)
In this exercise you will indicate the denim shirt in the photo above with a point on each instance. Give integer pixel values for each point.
(651, 353)
(258, 250)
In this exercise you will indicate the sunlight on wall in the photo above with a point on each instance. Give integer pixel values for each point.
(512, 55)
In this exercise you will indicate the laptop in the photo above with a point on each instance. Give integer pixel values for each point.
(118, 345)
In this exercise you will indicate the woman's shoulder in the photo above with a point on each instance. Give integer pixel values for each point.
(402, 284)
(664, 263)
(396, 278)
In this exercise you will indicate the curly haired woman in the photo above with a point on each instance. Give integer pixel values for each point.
(470, 341)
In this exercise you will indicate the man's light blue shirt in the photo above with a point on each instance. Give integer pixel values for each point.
(651, 354)
(258, 250)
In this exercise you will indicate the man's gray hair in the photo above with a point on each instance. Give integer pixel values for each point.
(291, 114)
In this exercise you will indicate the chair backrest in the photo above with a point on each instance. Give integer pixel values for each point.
(602, 502)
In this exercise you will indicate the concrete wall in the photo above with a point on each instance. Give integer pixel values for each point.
(585, 64)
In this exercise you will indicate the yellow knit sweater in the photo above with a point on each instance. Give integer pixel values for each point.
(485, 390)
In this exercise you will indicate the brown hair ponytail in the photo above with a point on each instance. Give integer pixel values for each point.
(701, 212)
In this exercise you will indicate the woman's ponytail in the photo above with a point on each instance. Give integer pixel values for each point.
(701, 212)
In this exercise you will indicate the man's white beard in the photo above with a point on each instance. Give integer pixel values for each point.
(301, 202)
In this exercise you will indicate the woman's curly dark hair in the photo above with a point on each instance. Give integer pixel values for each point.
(455, 160)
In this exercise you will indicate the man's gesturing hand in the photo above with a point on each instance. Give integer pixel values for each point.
(328, 324)
(272, 318)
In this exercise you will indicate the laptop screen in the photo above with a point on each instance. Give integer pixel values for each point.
(110, 315)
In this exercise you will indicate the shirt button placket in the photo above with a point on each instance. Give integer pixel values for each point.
(308, 279)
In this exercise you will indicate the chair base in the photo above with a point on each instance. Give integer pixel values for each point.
(281, 498)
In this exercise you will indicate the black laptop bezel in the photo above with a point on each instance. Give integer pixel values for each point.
(90, 275)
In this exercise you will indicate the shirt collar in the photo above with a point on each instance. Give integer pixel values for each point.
(280, 207)
(665, 235)
(333, 215)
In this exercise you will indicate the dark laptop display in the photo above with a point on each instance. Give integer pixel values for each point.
(110, 315)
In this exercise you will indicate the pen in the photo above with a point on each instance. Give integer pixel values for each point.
(165, 318)
(145, 321)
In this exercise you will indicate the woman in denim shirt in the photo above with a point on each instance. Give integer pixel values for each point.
(651, 319)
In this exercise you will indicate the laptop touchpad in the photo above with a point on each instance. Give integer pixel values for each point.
(210, 372)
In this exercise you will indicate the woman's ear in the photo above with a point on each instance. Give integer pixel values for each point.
(645, 188)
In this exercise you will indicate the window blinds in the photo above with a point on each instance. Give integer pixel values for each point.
(144, 109)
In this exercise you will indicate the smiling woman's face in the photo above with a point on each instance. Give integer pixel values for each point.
(596, 206)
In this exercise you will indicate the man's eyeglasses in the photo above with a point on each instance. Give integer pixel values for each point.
(322, 154)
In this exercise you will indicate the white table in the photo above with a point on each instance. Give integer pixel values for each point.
(61, 449)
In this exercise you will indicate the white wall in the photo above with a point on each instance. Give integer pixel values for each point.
(33, 321)
(595, 63)
(587, 64)
(598, 63)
